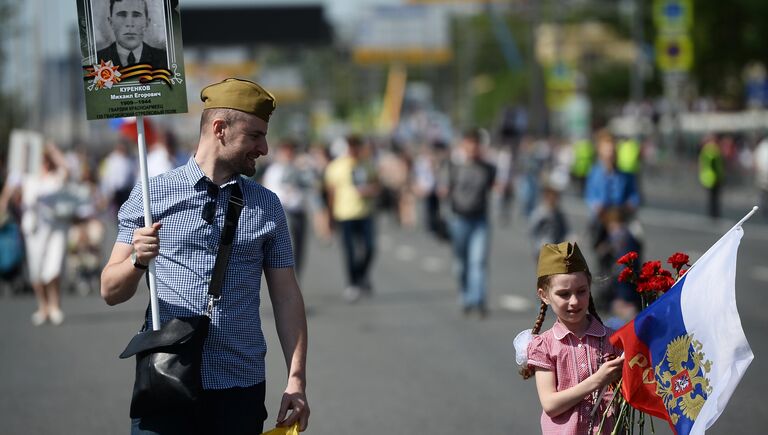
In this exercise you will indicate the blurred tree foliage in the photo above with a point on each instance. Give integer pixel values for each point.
(726, 37)
(492, 84)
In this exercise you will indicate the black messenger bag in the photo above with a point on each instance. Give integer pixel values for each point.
(168, 360)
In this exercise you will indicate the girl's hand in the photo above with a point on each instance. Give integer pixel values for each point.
(610, 371)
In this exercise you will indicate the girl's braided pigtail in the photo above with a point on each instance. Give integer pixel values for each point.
(528, 372)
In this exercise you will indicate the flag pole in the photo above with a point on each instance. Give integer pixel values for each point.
(147, 218)
(738, 224)
(744, 219)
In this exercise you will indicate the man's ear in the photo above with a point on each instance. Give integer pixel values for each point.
(219, 127)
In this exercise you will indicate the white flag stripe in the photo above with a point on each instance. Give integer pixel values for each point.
(708, 305)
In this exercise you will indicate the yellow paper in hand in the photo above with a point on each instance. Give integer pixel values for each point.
(292, 430)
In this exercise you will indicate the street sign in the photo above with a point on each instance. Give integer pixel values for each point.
(673, 16)
(409, 34)
(674, 53)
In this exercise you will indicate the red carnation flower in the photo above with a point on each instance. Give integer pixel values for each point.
(678, 260)
(649, 269)
(626, 275)
(628, 258)
(664, 281)
(682, 272)
(654, 279)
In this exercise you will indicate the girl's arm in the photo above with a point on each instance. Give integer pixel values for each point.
(556, 402)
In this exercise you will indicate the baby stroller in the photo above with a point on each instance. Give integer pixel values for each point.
(11, 257)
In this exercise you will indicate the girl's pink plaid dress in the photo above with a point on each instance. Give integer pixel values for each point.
(573, 360)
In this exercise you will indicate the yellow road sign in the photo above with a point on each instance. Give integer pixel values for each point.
(674, 53)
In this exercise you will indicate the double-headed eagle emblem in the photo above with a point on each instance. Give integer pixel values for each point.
(681, 378)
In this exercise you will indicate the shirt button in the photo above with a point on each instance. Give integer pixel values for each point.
(583, 365)
(579, 345)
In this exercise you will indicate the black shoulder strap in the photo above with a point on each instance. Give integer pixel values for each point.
(234, 208)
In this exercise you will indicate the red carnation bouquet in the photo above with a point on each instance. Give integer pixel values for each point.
(651, 281)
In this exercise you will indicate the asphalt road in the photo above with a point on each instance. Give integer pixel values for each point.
(403, 361)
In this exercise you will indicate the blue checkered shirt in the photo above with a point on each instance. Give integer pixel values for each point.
(234, 352)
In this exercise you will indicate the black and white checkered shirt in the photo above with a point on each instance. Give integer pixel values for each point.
(234, 351)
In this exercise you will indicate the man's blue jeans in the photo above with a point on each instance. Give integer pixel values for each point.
(470, 246)
(358, 240)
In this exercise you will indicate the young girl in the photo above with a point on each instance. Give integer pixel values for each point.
(573, 360)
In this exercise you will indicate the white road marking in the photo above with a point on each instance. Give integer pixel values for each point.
(515, 303)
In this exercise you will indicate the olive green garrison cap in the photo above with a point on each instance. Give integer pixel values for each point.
(243, 95)
(563, 257)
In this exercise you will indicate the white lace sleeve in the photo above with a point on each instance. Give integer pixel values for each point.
(521, 347)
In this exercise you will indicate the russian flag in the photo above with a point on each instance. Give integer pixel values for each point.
(128, 128)
(686, 352)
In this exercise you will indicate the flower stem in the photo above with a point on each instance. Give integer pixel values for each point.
(616, 398)
(618, 425)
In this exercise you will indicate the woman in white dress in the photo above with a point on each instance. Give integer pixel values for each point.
(45, 220)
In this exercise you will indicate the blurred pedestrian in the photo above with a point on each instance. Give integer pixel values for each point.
(535, 155)
(547, 223)
(761, 174)
(426, 170)
(319, 158)
(469, 185)
(711, 173)
(192, 202)
(629, 159)
(291, 184)
(160, 158)
(394, 169)
(583, 159)
(117, 176)
(47, 211)
(505, 162)
(619, 297)
(608, 187)
(352, 185)
(11, 240)
(86, 235)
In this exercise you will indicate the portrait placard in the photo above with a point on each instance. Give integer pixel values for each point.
(132, 57)
(25, 152)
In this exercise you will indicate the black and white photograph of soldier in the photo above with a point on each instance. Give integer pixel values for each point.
(131, 32)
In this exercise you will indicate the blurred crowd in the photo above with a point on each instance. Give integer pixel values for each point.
(54, 222)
